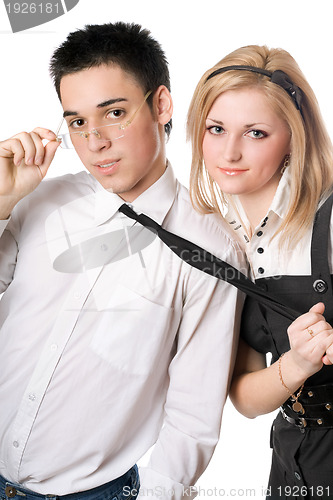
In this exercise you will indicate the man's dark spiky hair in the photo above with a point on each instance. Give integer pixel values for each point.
(128, 45)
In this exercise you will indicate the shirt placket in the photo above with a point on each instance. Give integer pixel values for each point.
(258, 255)
(46, 366)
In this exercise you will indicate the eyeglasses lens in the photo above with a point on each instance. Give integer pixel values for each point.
(111, 132)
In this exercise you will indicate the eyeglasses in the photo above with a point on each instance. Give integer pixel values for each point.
(110, 132)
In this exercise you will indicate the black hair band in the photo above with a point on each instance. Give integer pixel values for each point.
(278, 77)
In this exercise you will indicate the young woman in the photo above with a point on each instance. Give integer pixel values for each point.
(263, 159)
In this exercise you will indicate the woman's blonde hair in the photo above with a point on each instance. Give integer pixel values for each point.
(311, 161)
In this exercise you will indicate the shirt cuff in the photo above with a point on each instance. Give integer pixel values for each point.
(155, 486)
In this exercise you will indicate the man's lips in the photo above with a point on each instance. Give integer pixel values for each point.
(106, 163)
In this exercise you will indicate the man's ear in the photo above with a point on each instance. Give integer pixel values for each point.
(163, 105)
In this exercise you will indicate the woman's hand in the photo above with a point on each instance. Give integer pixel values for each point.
(24, 162)
(311, 341)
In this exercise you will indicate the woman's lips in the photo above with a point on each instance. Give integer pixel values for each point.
(232, 171)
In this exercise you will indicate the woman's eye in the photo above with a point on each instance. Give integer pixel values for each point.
(256, 134)
(216, 130)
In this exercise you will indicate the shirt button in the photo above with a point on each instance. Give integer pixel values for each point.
(261, 270)
(260, 233)
(320, 286)
(54, 347)
(297, 475)
(16, 444)
(32, 397)
(260, 250)
(77, 295)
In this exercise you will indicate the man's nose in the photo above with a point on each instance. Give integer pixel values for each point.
(96, 142)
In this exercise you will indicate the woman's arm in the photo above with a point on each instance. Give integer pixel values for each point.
(257, 389)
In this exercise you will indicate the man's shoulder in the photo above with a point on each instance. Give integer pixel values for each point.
(209, 231)
(61, 189)
(68, 181)
(54, 192)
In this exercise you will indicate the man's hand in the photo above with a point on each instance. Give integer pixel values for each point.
(24, 162)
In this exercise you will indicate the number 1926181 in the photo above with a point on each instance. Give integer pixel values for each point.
(304, 491)
(32, 8)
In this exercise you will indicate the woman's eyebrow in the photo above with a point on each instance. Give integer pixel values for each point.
(215, 121)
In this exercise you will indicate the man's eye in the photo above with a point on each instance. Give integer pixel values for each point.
(115, 113)
(77, 123)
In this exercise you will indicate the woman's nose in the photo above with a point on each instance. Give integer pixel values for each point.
(232, 150)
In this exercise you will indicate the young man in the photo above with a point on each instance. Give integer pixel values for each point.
(110, 343)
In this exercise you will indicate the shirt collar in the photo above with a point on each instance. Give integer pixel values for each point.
(281, 198)
(156, 201)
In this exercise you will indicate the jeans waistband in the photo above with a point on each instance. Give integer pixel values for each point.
(113, 489)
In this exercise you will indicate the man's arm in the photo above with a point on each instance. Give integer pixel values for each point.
(199, 378)
(24, 162)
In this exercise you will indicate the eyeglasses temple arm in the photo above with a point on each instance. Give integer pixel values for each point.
(58, 129)
(136, 112)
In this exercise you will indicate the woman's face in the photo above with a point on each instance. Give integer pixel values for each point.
(245, 144)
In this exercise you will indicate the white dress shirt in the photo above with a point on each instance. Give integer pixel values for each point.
(265, 255)
(109, 342)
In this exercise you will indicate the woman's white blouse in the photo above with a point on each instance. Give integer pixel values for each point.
(264, 254)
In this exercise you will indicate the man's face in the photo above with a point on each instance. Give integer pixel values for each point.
(103, 95)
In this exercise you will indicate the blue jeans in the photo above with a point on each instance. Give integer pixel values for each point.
(125, 487)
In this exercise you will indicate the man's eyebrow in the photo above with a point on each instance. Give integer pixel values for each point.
(111, 101)
(103, 104)
(69, 113)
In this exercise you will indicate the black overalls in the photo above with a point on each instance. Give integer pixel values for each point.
(301, 457)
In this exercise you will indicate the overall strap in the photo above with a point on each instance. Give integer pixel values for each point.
(320, 271)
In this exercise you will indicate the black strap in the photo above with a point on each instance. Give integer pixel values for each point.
(204, 261)
(320, 270)
(320, 237)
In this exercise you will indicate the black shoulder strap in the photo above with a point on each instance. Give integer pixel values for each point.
(320, 270)
(204, 261)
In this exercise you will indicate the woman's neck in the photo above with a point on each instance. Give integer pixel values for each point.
(256, 203)
(255, 207)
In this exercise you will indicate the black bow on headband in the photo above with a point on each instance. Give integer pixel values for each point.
(278, 77)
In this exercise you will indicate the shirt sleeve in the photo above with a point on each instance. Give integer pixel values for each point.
(199, 378)
(8, 253)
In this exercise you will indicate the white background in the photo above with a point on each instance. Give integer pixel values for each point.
(195, 35)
